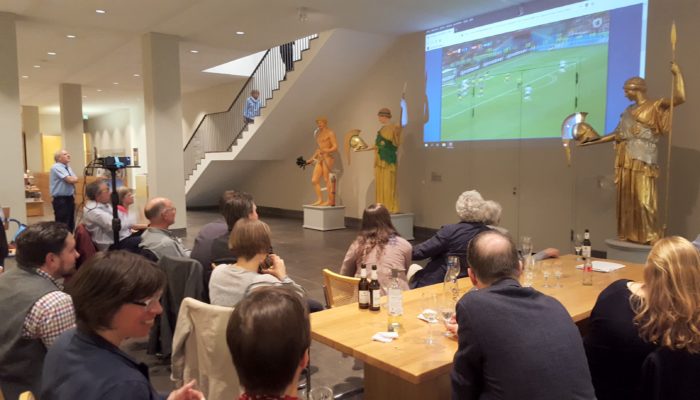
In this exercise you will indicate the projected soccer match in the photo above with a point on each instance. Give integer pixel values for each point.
(516, 73)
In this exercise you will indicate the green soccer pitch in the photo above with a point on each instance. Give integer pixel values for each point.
(527, 96)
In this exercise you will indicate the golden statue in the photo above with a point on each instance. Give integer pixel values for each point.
(386, 147)
(323, 158)
(636, 136)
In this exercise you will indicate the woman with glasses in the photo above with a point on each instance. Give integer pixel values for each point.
(116, 296)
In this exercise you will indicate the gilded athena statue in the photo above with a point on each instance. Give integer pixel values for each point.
(636, 167)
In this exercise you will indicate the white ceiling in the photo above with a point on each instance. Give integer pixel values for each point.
(108, 46)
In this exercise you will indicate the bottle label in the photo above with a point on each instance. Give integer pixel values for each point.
(586, 251)
(376, 294)
(395, 302)
(364, 296)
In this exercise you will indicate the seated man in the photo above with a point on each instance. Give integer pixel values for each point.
(514, 342)
(269, 335)
(97, 215)
(157, 238)
(239, 205)
(34, 310)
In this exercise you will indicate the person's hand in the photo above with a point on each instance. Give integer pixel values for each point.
(452, 326)
(278, 269)
(675, 69)
(551, 252)
(187, 392)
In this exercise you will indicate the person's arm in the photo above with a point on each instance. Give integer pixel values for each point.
(397, 135)
(678, 87)
(467, 369)
(64, 175)
(334, 142)
(349, 267)
(50, 316)
(276, 275)
(437, 244)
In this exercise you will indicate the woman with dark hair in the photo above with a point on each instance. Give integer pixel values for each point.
(378, 244)
(659, 316)
(116, 296)
(255, 266)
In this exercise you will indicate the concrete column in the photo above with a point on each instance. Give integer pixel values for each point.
(163, 120)
(70, 97)
(32, 137)
(12, 161)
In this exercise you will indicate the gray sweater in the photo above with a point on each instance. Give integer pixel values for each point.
(230, 283)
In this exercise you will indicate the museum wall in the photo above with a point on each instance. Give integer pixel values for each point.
(197, 103)
(50, 124)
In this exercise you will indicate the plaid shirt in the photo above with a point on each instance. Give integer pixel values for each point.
(52, 314)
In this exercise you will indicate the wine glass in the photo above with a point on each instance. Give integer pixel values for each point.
(578, 245)
(447, 311)
(321, 393)
(546, 273)
(429, 301)
(450, 285)
(556, 269)
(526, 245)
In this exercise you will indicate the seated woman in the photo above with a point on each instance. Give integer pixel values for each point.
(127, 219)
(378, 244)
(255, 267)
(631, 319)
(116, 296)
(451, 240)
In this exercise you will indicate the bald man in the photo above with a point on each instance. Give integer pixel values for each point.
(158, 238)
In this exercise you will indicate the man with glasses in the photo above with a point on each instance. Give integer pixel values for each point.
(34, 310)
(62, 182)
(158, 238)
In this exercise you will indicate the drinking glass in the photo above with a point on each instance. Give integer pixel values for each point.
(546, 273)
(529, 271)
(578, 245)
(526, 245)
(430, 306)
(321, 393)
(450, 284)
(556, 269)
(447, 310)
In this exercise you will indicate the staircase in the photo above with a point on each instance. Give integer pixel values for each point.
(335, 61)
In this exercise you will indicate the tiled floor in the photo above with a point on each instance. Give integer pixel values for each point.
(306, 253)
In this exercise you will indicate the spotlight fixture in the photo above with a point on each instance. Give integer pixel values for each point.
(99, 11)
(99, 90)
(115, 83)
(25, 76)
(240, 33)
(136, 75)
(37, 66)
(194, 51)
(71, 36)
(51, 53)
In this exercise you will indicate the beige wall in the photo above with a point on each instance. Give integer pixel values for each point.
(550, 198)
(200, 102)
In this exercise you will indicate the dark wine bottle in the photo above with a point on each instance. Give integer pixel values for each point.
(363, 289)
(374, 291)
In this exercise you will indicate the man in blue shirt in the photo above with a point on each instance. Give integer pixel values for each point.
(62, 182)
(252, 107)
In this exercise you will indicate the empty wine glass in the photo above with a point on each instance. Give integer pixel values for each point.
(556, 269)
(450, 284)
(447, 311)
(529, 271)
(546, 273)
(526, 245)
(578, 245)
(429, 301)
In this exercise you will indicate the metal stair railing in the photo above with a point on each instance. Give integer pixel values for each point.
(218, 132)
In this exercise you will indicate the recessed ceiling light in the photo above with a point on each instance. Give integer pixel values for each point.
(25, 76)
(136, 75)
(99, 90)
(115, 83)
(85, 97)
(37, 66)
(51, 53)
(71, 36)
(194, 51)
(100, 11)
(240, 33)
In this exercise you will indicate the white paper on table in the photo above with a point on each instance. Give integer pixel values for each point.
(603, 266)
(422, 317)
(385, 337)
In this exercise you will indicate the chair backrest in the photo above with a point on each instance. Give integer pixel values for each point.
(200, 351)
(84, 245)
(340, 289)
(25, 396)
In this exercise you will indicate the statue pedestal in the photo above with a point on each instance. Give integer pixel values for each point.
(324, 218)
(627, 251)
(403, 223)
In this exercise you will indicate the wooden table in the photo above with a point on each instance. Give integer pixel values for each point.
(407, 368)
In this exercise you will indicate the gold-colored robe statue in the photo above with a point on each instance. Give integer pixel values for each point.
(386, 146)
(636, 167)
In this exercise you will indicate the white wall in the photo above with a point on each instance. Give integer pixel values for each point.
(50, 124)
(200, 102)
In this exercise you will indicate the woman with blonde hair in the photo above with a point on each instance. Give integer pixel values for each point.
(657, 320)
(378, 244)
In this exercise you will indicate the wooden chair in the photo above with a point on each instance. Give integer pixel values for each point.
(25, 396)
(339, 290)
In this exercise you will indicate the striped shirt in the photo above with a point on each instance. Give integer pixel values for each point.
(50, 316)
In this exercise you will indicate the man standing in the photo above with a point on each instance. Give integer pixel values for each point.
(158, 238)
(98, 216)
(33, 307)
(252, 107)
(62, 182)
(323, 157)
(514, 342)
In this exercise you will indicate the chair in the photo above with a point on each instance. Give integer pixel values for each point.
(200, 351)
(339, 290)
(84, 245)
(670, 374)
(25, 396)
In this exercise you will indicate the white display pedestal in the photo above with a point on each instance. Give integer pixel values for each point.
(627, 251)
(324, 218)
(403, 223)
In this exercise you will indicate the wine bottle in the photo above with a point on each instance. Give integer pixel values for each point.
(395, 295)
(374, 291)
(363, 289)
(587, 277)
(586, 248)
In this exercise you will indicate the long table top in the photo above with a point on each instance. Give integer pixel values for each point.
(349, 329)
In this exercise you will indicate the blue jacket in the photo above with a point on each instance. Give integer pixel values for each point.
(85, 366)
(450, 240)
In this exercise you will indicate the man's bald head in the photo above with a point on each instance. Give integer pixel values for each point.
(160, 212)
(492, 256)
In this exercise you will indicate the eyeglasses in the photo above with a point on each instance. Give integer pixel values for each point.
(148, 304)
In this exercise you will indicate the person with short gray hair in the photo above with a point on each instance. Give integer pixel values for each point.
(451, 240)
(62, 182)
